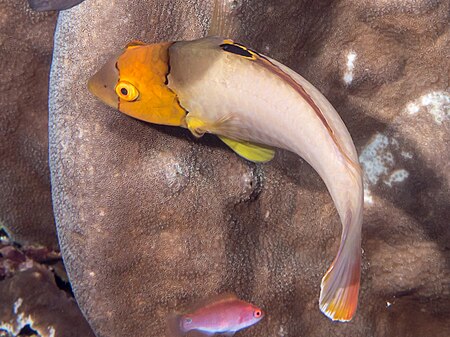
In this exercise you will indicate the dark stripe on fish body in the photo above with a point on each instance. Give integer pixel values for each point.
(236, 49)
(241, 50)
(264, 62)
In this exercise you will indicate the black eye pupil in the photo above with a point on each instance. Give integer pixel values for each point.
(124, 91)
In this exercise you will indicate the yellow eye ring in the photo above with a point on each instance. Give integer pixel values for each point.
(127, 91)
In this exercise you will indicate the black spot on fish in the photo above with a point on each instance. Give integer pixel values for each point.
(236, 49)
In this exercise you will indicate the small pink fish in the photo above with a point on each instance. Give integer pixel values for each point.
(223, 314)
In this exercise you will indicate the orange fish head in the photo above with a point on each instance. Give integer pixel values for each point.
(135, 83)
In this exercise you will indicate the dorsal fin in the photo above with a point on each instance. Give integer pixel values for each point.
(135, 43)
(213, 299)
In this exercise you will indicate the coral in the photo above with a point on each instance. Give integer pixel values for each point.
(32, 301)
(150, 218)
(25, 55)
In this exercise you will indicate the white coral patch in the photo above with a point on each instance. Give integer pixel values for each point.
(348, 75)
(7, 327)
(412, 108)
(174, 174)
(396, 177)
(406, 154)
(436, 103)
(21, 320)
(17, 305)
(14, 327)
(378, 161)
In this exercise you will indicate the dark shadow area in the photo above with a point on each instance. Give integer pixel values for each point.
(424, 198)
(27, 331)
(63, 285)
(117, 126)
(3, 233)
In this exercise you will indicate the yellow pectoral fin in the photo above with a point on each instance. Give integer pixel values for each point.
(254, 152)
(196, 125)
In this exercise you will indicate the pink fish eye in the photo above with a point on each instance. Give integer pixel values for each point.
(257, 313)
(188, 320)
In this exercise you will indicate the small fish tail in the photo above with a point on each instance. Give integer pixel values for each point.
(174, 325)
(340, 285)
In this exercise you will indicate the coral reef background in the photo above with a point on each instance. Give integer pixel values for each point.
(150, 219)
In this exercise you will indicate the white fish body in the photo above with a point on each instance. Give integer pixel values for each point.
(217, 86)
(264, 102)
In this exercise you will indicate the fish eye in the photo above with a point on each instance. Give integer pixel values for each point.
(188, 320)
(127, 91)
(257, 313)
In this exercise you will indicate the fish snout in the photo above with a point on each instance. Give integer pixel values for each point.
(103, 83)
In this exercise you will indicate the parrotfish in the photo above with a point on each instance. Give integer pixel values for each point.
(224, 314)
(253, 104)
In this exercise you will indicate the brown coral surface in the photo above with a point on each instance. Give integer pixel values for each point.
(26, 42)
(31, 301)
(151, 219)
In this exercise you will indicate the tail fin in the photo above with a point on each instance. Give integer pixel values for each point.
(340, 285)
(174, 326)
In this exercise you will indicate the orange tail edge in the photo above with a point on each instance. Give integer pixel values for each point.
(340, 285)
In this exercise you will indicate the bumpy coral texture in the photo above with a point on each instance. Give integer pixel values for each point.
(25, 55)
(151, 219)
(30, 300)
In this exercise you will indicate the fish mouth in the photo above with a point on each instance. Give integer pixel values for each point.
(103, 83)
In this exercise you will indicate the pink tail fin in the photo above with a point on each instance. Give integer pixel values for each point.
(340, 285)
